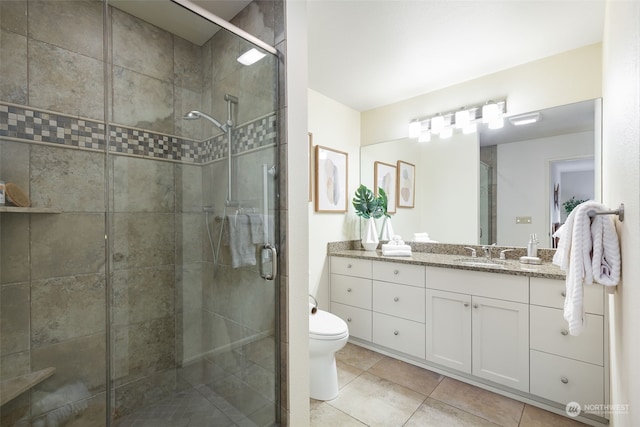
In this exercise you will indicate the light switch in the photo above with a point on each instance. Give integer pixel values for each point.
(523, 220)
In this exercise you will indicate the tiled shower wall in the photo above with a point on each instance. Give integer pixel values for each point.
(53, 265)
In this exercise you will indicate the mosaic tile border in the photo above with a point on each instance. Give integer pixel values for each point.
(21, 122)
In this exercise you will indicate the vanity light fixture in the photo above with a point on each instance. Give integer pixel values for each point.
(414, 129)
(437, 123)
(251, 56)
(462, 118)
(490, 112)
(465, 119)
(525, 119)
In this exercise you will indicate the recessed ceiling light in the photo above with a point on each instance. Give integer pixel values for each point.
(251, 56)
(525, 119)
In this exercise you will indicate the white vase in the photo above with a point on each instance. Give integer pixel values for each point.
(387, 230)
(370, 238)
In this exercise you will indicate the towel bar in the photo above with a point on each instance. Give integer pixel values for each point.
(619, 212)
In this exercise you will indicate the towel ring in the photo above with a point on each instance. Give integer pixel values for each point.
(619, 212)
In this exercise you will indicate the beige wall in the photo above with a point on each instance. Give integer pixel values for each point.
(557, 80)
(621, 183)
(333, 125)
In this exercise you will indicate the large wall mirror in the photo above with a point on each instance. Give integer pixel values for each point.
(501, 185)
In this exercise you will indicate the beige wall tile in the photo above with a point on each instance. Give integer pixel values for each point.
(143, 185)
(14, 316)
(142, 349)
(142, 101)
(142, 240)
(142, 294)
(64, 308)
(14, 248)
(141, 47)
(13, 64)
(77, 239)
(68, 180)
(65, 81)
(72, 25)
(13, 16)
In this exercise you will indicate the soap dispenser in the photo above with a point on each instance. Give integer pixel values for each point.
(532, 246)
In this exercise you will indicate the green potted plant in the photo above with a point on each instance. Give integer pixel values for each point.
(370, 207)
(571, 204)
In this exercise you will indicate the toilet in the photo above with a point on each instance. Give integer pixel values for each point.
(327, 334)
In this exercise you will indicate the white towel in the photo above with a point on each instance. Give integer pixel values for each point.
(396, 250)
(574, 256)
(422, 238)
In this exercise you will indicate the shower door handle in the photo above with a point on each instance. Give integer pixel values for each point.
(273, 253)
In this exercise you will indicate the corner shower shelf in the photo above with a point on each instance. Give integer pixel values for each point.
(15, 209)
(14, 387)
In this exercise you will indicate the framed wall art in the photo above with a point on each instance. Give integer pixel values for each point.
(331, 168)
(406, 182)
(385, 177)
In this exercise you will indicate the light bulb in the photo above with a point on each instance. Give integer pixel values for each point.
(414, 129)
(490, 112)
(462, 119)
(437, 124)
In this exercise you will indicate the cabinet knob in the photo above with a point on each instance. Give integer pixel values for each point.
(396, 299)
(564, 332)
(348, 319)
(466, 304)
(395, 332)
(348, 289)
(564, 380)
(396, 272)
(348, 265)
(475, 306)
(563, 293)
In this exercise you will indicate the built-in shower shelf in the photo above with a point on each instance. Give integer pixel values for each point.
(15, 209)
(14, 387)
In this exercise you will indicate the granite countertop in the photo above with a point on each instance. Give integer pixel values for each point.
(510, 266)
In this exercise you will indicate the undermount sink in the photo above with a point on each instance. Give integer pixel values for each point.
(480, 262)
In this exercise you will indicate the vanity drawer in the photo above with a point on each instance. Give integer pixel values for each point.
(491, 285)
(565, 380)
(351, 266)
(349, 290)
(358, 320)
(549, 333)
(403, 301)
(550, 293)
(401, 335)
(406, 274)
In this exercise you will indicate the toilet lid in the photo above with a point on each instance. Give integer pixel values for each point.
(325, 324)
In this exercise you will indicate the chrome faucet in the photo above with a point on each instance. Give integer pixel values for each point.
(473, 251)
(487, 250)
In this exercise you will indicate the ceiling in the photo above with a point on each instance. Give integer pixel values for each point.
(370, 53)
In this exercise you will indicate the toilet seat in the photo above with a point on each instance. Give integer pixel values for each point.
(326, 326)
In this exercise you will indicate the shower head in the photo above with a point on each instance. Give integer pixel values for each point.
(195, 115)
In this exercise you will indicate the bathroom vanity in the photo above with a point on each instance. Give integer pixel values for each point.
(498, 326)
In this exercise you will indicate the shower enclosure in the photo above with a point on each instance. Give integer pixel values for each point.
(140, 286)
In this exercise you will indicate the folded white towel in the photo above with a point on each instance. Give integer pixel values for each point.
(396, 250)
(578, 236)
(423, 238)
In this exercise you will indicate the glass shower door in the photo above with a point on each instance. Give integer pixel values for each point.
(192, 205)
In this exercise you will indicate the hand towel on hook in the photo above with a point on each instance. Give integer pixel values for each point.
(588, 249)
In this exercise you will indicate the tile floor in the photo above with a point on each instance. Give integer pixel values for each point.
(376, 390)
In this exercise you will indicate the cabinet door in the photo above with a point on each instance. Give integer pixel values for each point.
(500, 342)
(448, 329)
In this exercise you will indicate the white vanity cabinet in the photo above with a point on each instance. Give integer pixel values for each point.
(471, 327)
(351, 292)
(399, 307)
(566, 368)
